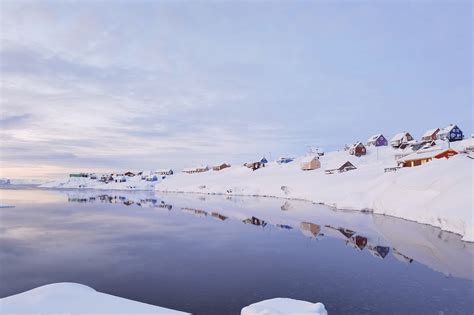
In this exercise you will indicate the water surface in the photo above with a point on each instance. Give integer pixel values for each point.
(217, 254)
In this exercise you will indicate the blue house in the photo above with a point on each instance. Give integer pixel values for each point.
(451, 133)
(284, 160)
(377, 140)
(264, 160)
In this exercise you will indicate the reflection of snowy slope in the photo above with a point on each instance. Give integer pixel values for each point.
(382, 236)
(441, 251)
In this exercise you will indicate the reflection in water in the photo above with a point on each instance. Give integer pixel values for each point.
(354, 239)
(123, 243)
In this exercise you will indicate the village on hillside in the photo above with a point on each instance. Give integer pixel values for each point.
(407, 152)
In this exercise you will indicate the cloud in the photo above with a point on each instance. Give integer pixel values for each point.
(155, 84)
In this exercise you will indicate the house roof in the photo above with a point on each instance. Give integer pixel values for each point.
(190, 169)
(374, 137)
(164, 170)
(424, 154)
(355, 145)
(430, 132)
(399, 136)
(449, 128)
(308, 158)
(336, 164)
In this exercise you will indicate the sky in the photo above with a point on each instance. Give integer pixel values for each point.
(140, 85)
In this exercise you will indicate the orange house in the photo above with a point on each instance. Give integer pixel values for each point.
(420, 158)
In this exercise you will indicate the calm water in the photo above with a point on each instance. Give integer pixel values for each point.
(215, 255)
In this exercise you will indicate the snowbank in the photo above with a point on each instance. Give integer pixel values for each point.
(439, 193)
(73, 298)
(284, 306)
(131, 183)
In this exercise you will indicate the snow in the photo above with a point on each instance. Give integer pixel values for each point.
(374, 137)
(424, 153)
(284, 306)
(398, 136)
(439, 193)
(131, 183)
(429, 132)
(73, 298)
(308, 159)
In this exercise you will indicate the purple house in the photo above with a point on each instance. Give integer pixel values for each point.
(377, 140)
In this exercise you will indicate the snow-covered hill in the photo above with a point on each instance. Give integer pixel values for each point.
(438, 193)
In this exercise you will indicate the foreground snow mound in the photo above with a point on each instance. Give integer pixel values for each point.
(284, 306)
(73, 298)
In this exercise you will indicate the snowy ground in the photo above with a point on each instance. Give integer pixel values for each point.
(132, 183)
(284, 306)
(73, 298)
(439, 193)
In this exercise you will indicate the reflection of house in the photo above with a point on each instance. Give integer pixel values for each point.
(377, 140)
(379, 251)
(255, 221)
(310, 163)
(451, 133)
(421, 157)
(340, 167)
(401, 257)
(218, 216)
(196, 211)
(220, 166)
(199, 169)
(346, 232)
(431, 134)
(358, 241)
(286, 206)
(310, 229)
(400, 138)
(357, 149)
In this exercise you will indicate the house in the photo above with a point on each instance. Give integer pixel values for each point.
(357, 149)
(451, 133)
(421, 157)
(220, 167)
(425, 144)
(310, 229)
(379, 251)
(285, 160)
(340, 167)
(129, 174)
(199, 169)
(255, 221)
(310, 162)
(254, 165)
(377, 140)
(400, 138)
(164, 172)
(219, 216)
(264, 160)
(153, 178)
(430, 134)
